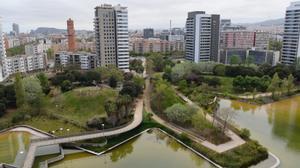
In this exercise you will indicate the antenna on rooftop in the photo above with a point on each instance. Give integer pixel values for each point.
(170, 27)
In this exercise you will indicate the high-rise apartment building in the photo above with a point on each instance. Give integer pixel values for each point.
(111, 32)
(148, 33)
(225, 23)
(2, 44)
(15, 28)
(202, 37)
(2, 53)
(71, 36)
(291, 36)
(237, 39)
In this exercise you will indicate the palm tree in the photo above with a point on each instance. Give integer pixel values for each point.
(111, 111)
(124, 101)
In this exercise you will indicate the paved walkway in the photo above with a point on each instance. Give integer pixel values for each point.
(235, 139)
(256, 96)
(138, 117)
(31, 131)
(260, 95)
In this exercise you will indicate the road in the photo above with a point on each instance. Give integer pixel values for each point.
(138, 117)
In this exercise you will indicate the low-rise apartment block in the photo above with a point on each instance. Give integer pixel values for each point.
(83, 60)
(23, 64)
(257, 57)
(141, 46)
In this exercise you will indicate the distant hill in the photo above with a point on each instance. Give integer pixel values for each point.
(50, 30)
(266, 23)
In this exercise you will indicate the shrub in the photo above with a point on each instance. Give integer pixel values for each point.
(219, 70)
(245, 133)
(214, 82)
(179, 113)
(95, 122)
(66, 86)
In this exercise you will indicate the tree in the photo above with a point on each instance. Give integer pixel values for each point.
(180, 114)
(290, 83)
(182, 85)
(180, 70)
(158, 62)
(264, 69)
(199, 122)
(275, 45)
(19, 90)
(168, 73)
(124, 101)
(44, 82)
(111, 111)
(93, 76)
(163, 96)
(112, 82)
(9, 94)
(66, 86)
(226, 115)
(274, 85)
(34, 96)
(204, 100)
(249, 60)
(2, 108)
(136, 65)
(111, 70)
(235, 59)
(219, 70)
(130, 88)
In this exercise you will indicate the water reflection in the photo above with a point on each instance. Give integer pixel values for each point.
(275, 125)
(122, 152)
(151, 149)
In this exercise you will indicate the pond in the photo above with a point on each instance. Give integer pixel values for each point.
(151, 149)
(13, 146)
(276, 126)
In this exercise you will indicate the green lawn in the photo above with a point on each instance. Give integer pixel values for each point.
(48, 125)
(81, 104)
(70, 110)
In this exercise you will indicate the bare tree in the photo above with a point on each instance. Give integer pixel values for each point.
(227, 115)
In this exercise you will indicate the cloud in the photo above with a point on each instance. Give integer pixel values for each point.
(30, 14)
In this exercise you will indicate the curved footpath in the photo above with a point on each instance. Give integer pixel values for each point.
(235, 139)
(138, 117)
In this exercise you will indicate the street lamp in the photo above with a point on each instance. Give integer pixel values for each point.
(102, 129)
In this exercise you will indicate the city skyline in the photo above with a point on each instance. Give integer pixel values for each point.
(141, 15)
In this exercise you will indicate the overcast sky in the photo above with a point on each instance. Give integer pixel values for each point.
(30, 14)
